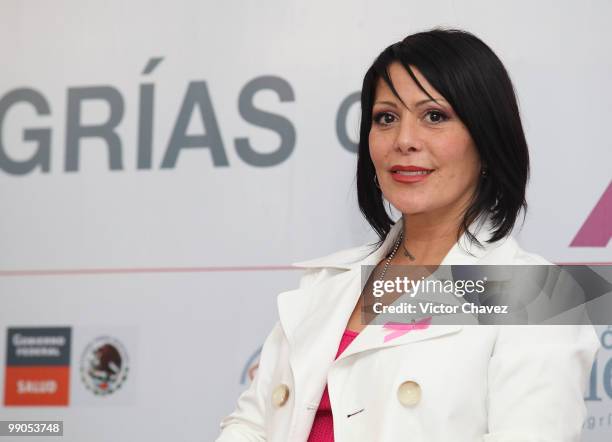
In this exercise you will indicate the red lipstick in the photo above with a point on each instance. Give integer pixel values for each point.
(410, 173)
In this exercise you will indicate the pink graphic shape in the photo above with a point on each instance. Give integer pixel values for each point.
(400, 329)
(597, 229)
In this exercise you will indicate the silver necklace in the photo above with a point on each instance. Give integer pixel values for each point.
(393, 252)
(395, 247)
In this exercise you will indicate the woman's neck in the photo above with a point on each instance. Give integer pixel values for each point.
(427, 240)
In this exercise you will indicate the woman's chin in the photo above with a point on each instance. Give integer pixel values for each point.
(412, 211)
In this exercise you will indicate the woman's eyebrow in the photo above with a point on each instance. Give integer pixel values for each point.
(390, 103)
(427, 100)
(417, 104)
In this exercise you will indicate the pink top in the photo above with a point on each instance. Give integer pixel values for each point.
(323, 426)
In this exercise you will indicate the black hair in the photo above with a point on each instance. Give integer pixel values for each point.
(473, 80)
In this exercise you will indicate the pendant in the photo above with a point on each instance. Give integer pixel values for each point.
(408, 254)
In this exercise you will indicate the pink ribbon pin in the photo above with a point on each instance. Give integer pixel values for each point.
(400, 329)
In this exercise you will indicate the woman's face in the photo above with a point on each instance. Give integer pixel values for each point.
(424, 135)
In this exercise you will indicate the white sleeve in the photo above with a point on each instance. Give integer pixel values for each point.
(537, 380)
(247, 423)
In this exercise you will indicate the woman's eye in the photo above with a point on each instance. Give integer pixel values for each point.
(384, 118)
(434, 116)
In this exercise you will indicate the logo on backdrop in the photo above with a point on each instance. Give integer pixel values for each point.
(597, 229)
(599, 393)
(37, 366)
(104, 366)
(250, 367)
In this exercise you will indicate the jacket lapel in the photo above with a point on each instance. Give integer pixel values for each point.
(372, 337)
(315, 317)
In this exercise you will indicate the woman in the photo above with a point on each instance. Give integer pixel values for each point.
(441, 140)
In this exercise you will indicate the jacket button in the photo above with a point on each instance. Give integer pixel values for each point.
(409, 393)
(280, 395)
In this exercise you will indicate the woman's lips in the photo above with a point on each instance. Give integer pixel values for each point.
(403, 176)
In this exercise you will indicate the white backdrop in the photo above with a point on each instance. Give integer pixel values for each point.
(179, 252)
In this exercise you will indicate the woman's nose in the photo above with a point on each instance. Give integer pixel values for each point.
(408, 137)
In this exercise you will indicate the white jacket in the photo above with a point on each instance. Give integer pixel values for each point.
(445, 383)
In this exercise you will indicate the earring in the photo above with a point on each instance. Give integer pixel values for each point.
(376, 181)
(484, 172)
